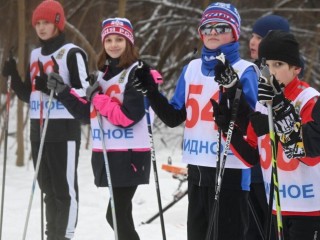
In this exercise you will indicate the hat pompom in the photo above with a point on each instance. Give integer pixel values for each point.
(49, 10)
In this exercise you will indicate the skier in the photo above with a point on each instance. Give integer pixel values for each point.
(57, 176)
(123, 118)
(260, 29)
(295, 109)
(257, 193)
(219, 30)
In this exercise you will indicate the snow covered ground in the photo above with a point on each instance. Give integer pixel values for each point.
(92, 224)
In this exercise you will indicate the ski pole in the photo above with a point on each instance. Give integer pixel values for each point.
(234, 112)
(154, 165)
(92, 80)
(153, 155)
(41, 128)
(274, 173)
(43, 135)
(39, 157)
(5, 151)
(176, 171)
(6, 126)
(256, 219)
(218, 165)
(270, 205)
(173, 202)
(106, 162)
(274, 178)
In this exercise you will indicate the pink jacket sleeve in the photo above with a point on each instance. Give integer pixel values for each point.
(111, 110)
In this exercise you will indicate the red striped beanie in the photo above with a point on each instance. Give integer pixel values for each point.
(222, 12)
(120, 26)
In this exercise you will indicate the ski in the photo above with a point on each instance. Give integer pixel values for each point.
(175, 169)
(179, 173)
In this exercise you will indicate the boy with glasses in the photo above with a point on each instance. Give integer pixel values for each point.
(199, 82)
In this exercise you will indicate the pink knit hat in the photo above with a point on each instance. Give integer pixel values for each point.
(120, 26)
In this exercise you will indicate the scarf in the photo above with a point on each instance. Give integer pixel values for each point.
(209, 60)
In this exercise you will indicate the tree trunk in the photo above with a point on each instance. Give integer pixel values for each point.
(21, 56)
(122, 8)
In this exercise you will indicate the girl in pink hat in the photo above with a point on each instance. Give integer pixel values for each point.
(121, 116)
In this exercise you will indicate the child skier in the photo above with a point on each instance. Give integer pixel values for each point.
(261, 28)
(257, 194)
(296, 120)
(123, 120)
(219, 30)
(58, 170)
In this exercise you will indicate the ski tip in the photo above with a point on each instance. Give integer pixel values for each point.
(175, 169)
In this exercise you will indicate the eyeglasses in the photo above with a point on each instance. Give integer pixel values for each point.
(218, 27)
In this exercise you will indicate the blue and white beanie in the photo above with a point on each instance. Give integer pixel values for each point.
(222, 12)
(120, 26)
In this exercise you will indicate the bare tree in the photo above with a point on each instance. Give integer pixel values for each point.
(122, 8)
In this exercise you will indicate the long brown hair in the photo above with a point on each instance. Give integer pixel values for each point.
(129, 56)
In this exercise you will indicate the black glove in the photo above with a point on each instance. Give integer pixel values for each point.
(287, 123)
(279, 102)
(10, 68)
(41, 80)
(92, 78)
(222, 111)
(225, 75)
(93, 90)
(55, 82)
(265, 86)
(259, 123)
(288, 127)
(144, 81)
(286, 120)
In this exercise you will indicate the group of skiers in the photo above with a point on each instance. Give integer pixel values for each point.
(243, 127)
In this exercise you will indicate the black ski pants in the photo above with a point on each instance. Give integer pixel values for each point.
(232, 213)
(260, 206)
(300, 227)
(123, 206)
(58, 180)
